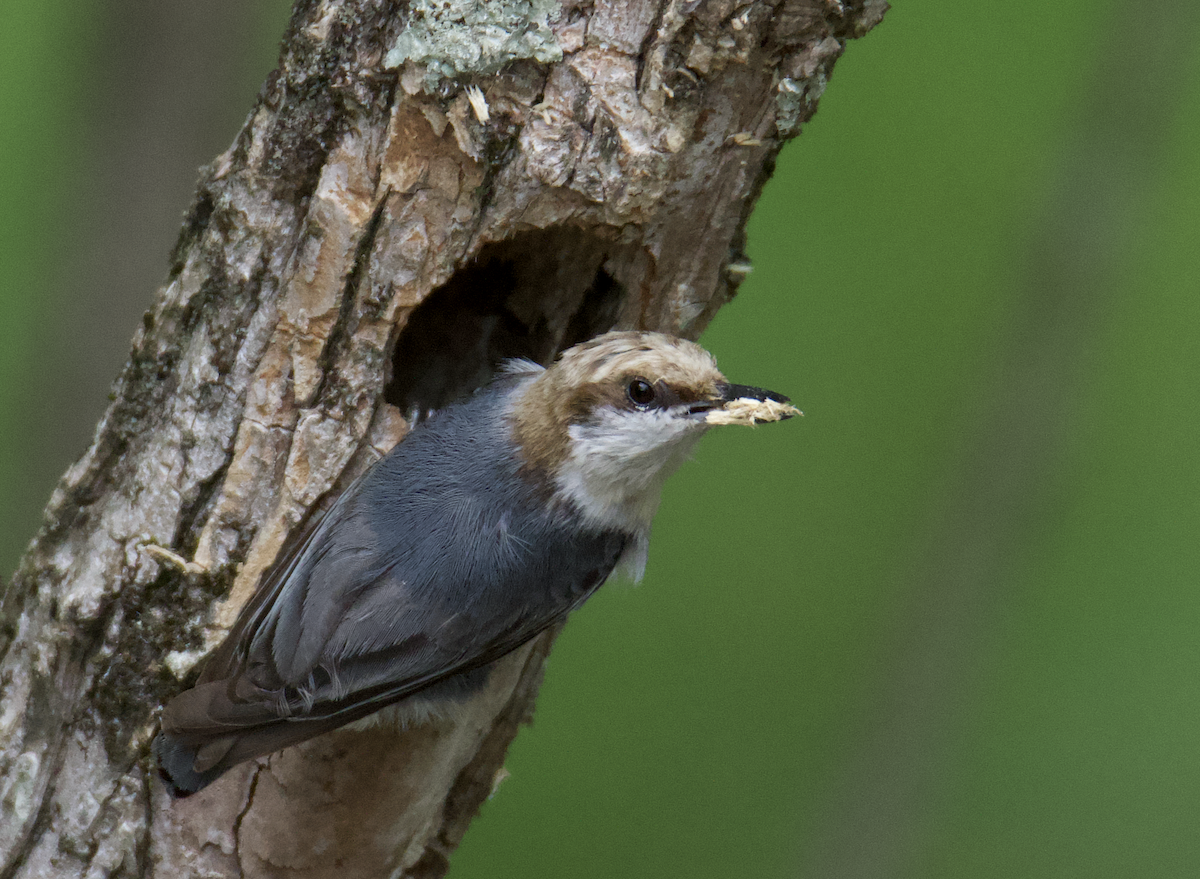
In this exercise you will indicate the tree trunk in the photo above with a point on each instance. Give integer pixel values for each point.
(423, 190)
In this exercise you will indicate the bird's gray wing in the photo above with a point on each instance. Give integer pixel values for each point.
(358, 618)
(439, 561)
(461, 582)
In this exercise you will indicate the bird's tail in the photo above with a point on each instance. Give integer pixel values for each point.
(189, 759)
(176, 762)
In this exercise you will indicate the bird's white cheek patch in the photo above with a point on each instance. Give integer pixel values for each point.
(748, 411)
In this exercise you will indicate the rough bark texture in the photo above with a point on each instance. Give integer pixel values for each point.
(376, 239)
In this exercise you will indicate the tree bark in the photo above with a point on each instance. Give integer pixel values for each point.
(422, 190)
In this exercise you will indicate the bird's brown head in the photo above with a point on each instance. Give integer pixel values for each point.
(614, 416)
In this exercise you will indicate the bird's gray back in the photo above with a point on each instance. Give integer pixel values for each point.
(445, 557)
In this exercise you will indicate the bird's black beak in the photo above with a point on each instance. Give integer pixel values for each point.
(745, 392)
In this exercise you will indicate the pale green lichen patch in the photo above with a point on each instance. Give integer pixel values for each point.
(794, 98)
(453, 38)
(20, 791)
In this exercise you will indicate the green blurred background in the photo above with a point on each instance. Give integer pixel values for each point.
(943, 626)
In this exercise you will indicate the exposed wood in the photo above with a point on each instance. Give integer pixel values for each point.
(409, 203)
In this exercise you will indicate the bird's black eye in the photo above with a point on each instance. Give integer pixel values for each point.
(641, 392)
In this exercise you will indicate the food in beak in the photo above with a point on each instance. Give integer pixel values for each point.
(745, 405)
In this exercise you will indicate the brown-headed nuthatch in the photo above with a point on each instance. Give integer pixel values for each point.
(487, 524)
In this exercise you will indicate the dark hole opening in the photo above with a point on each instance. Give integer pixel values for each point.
(531, 296)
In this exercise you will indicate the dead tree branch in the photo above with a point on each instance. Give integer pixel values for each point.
(423, 190)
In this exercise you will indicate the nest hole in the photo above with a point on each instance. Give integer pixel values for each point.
(530, 296)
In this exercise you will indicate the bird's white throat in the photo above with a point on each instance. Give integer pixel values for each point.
(618, 461)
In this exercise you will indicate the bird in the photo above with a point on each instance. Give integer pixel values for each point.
(488, 523)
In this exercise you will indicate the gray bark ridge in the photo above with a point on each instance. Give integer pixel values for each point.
(410, 201)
